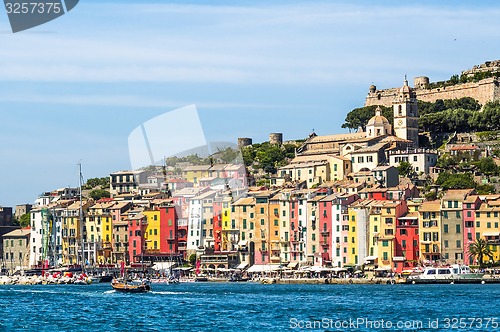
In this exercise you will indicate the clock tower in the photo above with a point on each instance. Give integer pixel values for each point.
(406, 115)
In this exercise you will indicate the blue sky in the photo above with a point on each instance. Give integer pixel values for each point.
(73, 89)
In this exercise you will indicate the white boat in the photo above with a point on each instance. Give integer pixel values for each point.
(446, 274)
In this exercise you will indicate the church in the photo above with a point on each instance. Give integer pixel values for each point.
(366, 149)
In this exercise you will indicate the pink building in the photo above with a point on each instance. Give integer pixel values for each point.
(470, 205)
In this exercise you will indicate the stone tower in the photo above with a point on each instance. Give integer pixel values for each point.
(244, 141)
(406, 115)
(276, 138)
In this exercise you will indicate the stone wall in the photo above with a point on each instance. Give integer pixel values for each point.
(483, 91)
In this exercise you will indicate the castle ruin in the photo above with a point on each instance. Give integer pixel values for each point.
(483, 91)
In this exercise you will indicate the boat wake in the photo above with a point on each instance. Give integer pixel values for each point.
(170, 293)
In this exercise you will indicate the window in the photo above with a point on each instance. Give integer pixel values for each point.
(262, 222)
(385, 243)
(445, 228)
(385, 256)
(459, 244)
(457, 228)
(415, 158)
(403, 243)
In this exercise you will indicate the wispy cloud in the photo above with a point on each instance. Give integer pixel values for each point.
(313, 43)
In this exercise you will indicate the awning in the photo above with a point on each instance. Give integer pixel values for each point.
(371, 258)
(398, 259)
(183, 269)
(339, 269)
(491, 234)
(242, 266)
(293, 265)
(263, 268)
(242, 243)
(163, 265)
(383, 269)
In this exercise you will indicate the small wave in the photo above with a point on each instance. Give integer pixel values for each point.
(111, 291)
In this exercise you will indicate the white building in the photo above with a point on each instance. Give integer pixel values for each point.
(420, 159)
(194, 223)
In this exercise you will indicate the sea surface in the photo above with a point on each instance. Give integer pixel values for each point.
(251, 307)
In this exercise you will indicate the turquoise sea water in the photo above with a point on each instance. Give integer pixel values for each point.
(251, 307)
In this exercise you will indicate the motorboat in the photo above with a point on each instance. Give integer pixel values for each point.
(446, 274)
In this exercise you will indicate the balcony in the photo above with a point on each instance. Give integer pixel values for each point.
(325, 243)
(325, 232)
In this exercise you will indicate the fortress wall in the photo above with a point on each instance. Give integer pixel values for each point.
(483, 91)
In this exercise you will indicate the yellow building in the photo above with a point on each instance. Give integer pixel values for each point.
(98, 233)
(71, 233)
(195, 173)
(374, 229)
(152, 235)
(226, 223)
(429, 224)
(242, 231)
(352, 245)
(262, 226)
(487, 225)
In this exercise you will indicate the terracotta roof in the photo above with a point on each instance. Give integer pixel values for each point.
(464, 147)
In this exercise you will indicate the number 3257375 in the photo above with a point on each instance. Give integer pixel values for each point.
(33, 8)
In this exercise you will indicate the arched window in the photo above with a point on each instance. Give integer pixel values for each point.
(400, 110)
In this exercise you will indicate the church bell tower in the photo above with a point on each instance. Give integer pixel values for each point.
(406, 115)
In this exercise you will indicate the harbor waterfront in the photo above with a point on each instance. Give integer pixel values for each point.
(249, 306)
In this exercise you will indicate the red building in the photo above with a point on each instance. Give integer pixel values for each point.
(295, 236)
(325, 228)
(406, 242)
(137, 223)
(470, 205)
(169, 231)
(217, 222)
(377, 193)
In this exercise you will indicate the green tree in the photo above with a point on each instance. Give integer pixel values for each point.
(455, 181)
(192, 259)
(485, 189)
(25, 220)
(487, 166)
(95, 182)
(97, 194)
(405, 168)
(359, 117)
(479, 249)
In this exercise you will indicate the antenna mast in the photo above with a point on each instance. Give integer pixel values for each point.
(80, 180)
